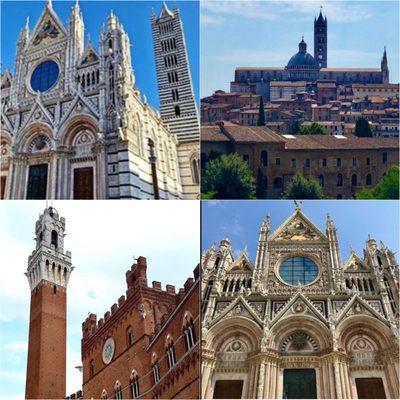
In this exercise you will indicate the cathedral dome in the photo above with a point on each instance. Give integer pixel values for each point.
(302, 59)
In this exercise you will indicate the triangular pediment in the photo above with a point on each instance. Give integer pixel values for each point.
(80, 105)
(299, 305)
(238, 308)
(355, 264)
(241, 265)
(89, 56)
(48, 28)
(298, 228)
(358, 306)
(38, 113)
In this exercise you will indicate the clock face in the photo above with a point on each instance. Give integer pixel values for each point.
(108, 350)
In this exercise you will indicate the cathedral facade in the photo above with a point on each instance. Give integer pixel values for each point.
(301, 322)
(75, 126)
(303, 66)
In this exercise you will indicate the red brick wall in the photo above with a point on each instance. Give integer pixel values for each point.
(181, 381)
(46, 377)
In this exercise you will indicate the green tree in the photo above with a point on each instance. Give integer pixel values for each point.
(301, 188)
(312, 129)
(386, 189)
(261, 113)
(363, 128)
(229, 177)
(295, 128)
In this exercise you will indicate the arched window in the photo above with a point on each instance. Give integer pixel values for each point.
(117, 391)
(194, 165)
(104, 395)
(321, 180)
(189, 331)
(339, 180)
(170, 350)
(354, 180)
(368, 180)
(264, 158)
(134, 383)
(129, 336)
(177, 111)
(91, 368)
(54, 238)
(156, 371)
(278, 183)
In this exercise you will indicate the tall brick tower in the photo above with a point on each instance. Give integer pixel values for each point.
(321, 41)
(49, 269)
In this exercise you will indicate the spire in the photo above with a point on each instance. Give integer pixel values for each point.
(112, 21)
(27, 24)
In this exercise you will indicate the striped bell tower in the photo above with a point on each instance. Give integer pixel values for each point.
(177, 102)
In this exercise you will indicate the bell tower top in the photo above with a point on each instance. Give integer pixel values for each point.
(49, 261)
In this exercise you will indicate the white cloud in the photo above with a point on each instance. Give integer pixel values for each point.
(212, 20)
(102, 236)
(338, 11)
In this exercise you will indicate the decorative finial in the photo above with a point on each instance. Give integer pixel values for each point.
(298, 205)
(27, 23)
(49, 4)
(351, 249)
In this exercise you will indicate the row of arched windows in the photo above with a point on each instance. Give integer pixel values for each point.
(189, 337)
(234, 285)
(89, 79)
(167, 27)
(172, 77)
(168, 45)
(170, 61)
(362, 285)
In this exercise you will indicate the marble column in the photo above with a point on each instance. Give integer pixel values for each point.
(261, 380)
(338, 383)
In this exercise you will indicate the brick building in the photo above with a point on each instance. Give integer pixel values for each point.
(342, 164)
(146, 346)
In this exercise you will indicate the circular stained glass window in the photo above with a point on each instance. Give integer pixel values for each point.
(297, 270)
(44, 76)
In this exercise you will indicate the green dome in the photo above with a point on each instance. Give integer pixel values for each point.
(302, 58)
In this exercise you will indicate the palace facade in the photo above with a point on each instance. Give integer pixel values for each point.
(75, 126)
(300, 322)
(303, 66)
(342, 165)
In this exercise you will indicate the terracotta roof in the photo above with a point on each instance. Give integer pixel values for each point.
(243, 134)
(328, 142)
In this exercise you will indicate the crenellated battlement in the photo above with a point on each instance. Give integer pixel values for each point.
(136, 279)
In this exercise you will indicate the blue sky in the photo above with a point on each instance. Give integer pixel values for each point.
(354, 220)
(134, 15)
(103, 237)
(243, 33)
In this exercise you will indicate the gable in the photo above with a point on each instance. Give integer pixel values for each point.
(89, 56)
(48, 28)
(355, 264)
(241, 265)
(298, 228)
